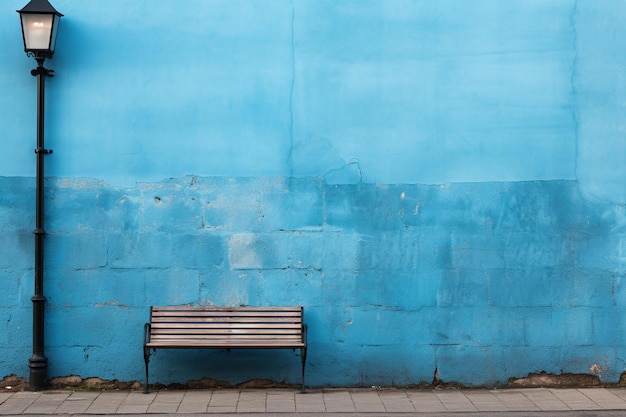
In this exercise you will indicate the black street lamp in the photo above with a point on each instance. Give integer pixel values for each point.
(40, 25)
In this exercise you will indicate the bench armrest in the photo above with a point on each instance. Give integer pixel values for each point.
(304, 332)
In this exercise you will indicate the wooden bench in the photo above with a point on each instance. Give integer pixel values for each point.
(225, 328)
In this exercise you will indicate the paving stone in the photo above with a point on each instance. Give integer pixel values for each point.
(544, 399)
(604, 398)
(426, 402)
(338, 402)
(251, 407)
(47, 403)
(221, 409)
(575, 399)
(132, 409)
(279, 401)
(367, 401)
(396, 402)
(18, 402)
(223, 401)
(138, 398)
(515, 400)
(169, 396)
(76, 407)
(166, 407)
(310, 403)
(485, 401)
(5, 396)
(455, 401)
(280, 395)
(226, 399)
(109, 402)
(166, 402)
(618, 392)
(281, 406)
(195, 402)
(252, 401)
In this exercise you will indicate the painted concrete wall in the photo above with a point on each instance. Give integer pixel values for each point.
(437, 182)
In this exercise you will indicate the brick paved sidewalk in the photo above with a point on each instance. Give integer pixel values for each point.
(315, 401)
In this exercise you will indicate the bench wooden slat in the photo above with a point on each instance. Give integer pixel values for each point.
(209, 323)
(221, 338)
(275, 333)
(226, 325)
(227, 319)
(226, 333)
(293, 314)
(225, 336)
(211, 314)
(258, 313)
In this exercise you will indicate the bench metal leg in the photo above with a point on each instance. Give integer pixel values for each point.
(305, 330)
(146, 358)
(303, 354)
(147, 328)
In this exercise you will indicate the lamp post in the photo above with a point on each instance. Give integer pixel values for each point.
(40, 24)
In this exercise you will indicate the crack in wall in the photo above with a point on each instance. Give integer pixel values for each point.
(291, 93)
(573, 97)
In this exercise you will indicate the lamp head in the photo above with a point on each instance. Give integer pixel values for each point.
(40, 25)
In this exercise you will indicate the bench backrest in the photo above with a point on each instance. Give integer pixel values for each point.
(228, 327)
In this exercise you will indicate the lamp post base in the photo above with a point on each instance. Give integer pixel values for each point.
(38, 365)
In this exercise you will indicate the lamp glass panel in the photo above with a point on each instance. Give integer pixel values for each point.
(37, 30)
(55, 30)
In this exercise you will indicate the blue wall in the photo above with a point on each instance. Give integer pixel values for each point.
(437, 182)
